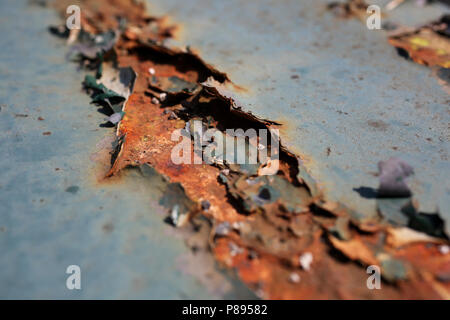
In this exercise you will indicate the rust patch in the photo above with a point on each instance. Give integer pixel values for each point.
(349, 9)
(428, 45)
(262, 226)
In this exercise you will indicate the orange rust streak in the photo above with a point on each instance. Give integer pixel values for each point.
(148, 140)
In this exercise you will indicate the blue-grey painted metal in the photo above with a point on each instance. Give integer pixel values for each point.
(52, 219)
(345, 98)
(350, 93)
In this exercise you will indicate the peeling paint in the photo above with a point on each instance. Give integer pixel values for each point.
(278, 225)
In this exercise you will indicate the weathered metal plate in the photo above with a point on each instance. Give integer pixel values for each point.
(54, 212)
(345, 98)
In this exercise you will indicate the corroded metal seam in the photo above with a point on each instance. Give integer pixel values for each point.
(268, 245)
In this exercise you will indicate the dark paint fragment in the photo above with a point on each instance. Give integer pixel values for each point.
(392, 175)
(72, 189)
(91, 46)
(402, 212)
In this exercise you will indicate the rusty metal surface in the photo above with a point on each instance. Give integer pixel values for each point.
(54, 209)
(324, 93)
(345, 98)
(266, 228)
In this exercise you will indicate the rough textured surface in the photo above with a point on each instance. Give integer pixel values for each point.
(334, 85)
(270, 229)
(55, 207)
(278, 232)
